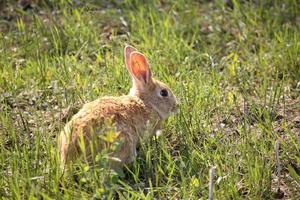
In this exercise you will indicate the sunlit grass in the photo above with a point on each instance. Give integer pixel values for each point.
(235, 72)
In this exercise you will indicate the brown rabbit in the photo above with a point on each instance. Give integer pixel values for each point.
(135, 116)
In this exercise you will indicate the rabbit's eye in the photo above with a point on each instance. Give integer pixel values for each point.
(164, 93)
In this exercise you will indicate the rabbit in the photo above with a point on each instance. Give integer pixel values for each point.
(135, 116)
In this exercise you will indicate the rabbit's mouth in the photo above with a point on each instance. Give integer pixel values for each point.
(174, 112)
(175, 109)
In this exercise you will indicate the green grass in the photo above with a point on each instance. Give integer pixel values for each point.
(235, 72)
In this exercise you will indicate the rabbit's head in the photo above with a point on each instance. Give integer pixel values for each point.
(154, 93)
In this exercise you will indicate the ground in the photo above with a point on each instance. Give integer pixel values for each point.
(234, 65)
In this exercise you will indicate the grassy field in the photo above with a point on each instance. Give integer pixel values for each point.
(234, 66)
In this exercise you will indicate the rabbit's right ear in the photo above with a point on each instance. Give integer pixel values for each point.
(127, 51)
(140, 69)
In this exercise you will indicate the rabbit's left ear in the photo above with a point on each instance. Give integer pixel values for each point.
(127, 51)
(140, 68)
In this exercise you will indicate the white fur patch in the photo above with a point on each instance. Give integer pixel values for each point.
(158, 133)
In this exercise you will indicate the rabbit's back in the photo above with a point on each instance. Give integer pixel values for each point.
(126, 112)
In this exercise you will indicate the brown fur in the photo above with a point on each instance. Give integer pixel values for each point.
(129, 114)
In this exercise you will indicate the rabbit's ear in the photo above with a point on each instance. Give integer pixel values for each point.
(140, 68)
(127, 51)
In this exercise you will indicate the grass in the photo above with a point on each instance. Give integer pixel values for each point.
(235, 68)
